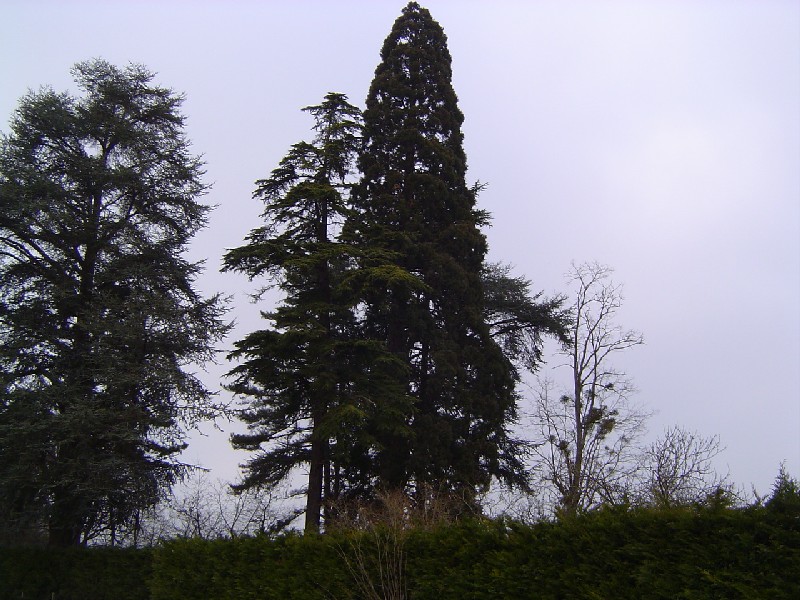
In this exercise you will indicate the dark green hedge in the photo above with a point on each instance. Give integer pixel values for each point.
(679, 554)
(251, 568)
(74, 573)
(641, 554)
(670, 555)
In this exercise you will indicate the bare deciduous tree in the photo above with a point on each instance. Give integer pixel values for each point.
(211, 509)
(677, 469)
(205, 508)
(587, 432)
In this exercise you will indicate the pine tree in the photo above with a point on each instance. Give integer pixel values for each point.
(305, 379)
(414, 211)
(99, 316)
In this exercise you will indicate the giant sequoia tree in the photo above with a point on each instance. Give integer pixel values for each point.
(99, 317)
(414, 207)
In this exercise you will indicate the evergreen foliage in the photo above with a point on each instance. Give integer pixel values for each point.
(785, 496)
(384, 366)
(751, 553)
(413, 207)
(678, 553)
(519, 319)
(98, 311)
(75, 573)
(305, 379)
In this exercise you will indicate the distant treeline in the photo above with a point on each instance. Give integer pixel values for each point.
(701, 552)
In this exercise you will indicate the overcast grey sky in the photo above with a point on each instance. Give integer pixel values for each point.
(661, 138)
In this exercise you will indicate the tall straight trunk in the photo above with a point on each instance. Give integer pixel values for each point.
(315, 479)
(319, 444)
(393, 474)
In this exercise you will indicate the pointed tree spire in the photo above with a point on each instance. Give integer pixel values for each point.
(414, 208)
(296, 376)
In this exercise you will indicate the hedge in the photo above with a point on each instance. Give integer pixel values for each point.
(677, 554)
(75, 573)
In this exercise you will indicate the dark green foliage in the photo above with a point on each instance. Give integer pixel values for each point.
(387, 364)
(613, 554)
(751, 553)
(289, 567)
(415, 214)
(785, 497)
(75, 574)
(519, 320)
(98, 310)
(308, 381)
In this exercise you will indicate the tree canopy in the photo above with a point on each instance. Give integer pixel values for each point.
(391, 363)
(99, 315)
(424, 298)
(392, 360)
(304, 378)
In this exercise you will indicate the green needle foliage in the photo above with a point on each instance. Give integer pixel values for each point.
(98, 311)
(664, 554)
(413, 209)
(305, 380)
(391, 362)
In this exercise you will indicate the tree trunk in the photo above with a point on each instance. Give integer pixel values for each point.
(64, 527)
(315, 478)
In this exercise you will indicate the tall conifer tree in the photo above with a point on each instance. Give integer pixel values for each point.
(305, 379)
(99, 315)
(414, 210)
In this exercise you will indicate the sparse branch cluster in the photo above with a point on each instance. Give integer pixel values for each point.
(587, 446)
(678, 469)
(587, 432)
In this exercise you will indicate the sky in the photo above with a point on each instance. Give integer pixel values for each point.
(660, 138)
